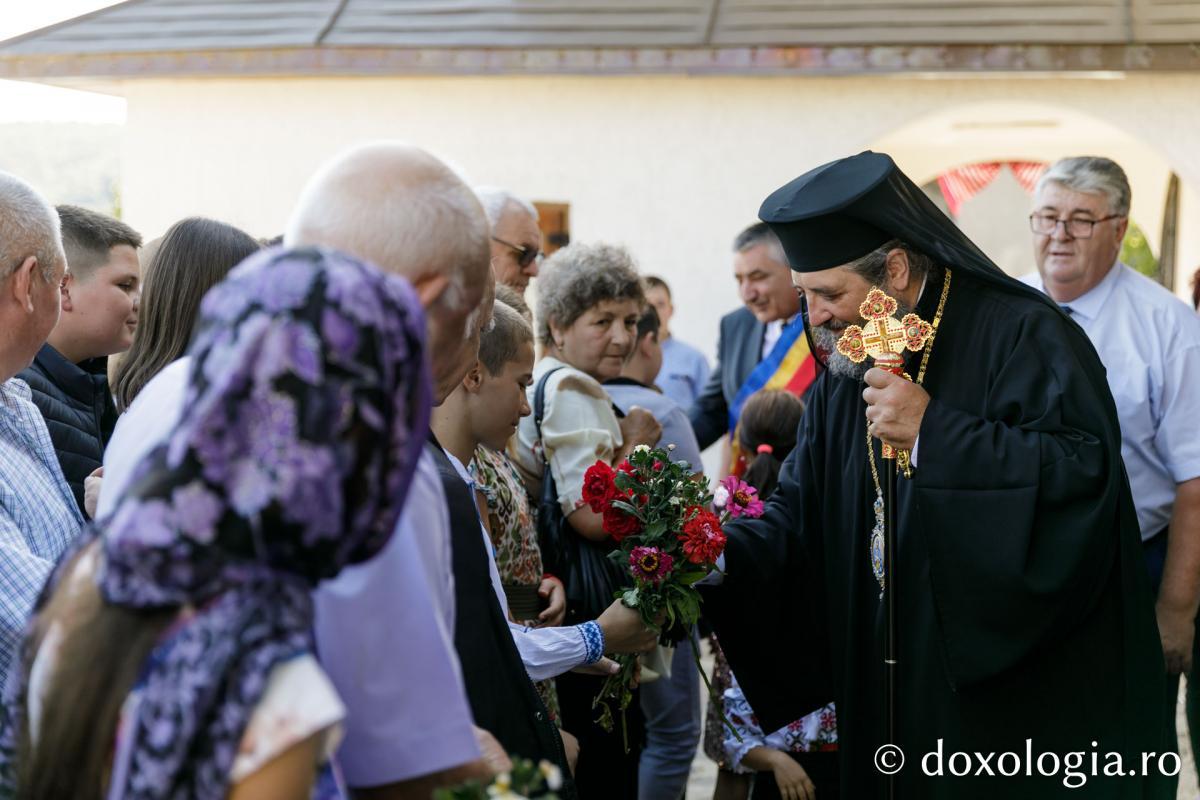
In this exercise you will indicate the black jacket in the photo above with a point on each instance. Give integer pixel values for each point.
(738, 352)
(78, 408)
(503, 699)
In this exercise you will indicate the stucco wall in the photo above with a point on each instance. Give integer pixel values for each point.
(671, 166)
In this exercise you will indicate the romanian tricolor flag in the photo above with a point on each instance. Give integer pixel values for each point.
(789, 366)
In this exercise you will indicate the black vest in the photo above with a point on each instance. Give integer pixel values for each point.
(503, 699)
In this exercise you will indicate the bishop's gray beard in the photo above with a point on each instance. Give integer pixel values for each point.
(826, 339)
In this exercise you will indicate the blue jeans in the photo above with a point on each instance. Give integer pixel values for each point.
(672, 710)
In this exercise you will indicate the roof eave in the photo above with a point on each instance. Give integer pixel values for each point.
(77, 69)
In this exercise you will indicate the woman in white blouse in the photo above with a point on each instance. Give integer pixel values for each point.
(589, 301)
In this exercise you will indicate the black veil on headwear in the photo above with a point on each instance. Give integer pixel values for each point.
(841, 211)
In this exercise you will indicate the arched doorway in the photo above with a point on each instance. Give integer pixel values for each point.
(1007, 133)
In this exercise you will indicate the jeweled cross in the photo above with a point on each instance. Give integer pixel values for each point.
(884, 338)
(883, 333)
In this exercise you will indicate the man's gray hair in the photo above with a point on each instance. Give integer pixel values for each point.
(578, 277)
(1091, 175)
(29, 226)
(400, 208)
(872, 267)
(760, 233)
(496, 200)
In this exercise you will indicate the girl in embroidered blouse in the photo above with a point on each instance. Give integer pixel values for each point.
(487, 412)
(800, 759)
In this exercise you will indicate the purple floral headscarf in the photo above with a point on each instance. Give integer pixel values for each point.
(307, 407)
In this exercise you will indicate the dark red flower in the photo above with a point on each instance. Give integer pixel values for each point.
(598, 486)
(650, 564)
(702, 537)
(618, 524)
(626, 467)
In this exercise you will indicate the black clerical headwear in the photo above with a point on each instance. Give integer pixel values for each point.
(842, 210)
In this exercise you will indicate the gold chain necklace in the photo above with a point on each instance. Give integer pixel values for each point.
(877, 532)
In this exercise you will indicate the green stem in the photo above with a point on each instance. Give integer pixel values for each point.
(719, 701)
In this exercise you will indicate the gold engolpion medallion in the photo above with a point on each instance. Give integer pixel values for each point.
(884, 338)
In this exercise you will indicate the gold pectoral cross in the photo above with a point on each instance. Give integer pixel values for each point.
(885, 338)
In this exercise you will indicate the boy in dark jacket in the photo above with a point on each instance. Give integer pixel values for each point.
(99, 296)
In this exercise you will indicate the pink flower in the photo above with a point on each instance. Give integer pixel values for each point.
(650, 564)
(743, 498)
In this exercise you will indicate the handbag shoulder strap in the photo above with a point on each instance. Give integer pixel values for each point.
(539, 404)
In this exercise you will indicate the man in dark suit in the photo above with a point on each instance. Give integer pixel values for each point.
(749, 334)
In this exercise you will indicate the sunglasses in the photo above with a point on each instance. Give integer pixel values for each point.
(525, 255)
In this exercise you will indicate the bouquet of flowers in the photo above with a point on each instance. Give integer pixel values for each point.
(660, 514)
(526, 780)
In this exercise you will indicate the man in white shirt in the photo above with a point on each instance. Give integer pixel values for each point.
(1149, 341)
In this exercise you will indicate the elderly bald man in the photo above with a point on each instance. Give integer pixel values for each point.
(384, 629)
(516, 238)
(38, 514)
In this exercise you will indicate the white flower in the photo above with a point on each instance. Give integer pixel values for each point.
(674, 501)
(720, 497)
(502, 788)
(642, 448)
(670, 448)
(552, 774)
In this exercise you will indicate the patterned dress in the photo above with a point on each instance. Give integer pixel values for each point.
(513, 524)
(815, 732)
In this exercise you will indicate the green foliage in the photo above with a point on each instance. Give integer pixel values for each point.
(1136, 252)
(526, 780)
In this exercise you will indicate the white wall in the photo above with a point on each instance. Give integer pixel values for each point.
(671, 166)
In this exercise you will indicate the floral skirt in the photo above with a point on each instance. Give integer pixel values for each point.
(549, 695)
(714, 733)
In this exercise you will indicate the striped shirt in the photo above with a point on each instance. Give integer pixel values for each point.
(38, 514)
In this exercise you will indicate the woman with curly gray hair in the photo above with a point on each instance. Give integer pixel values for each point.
(589, 301)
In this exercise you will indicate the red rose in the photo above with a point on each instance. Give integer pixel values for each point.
(626, 467)
(618, 524)
(598, 486)
(702, 537)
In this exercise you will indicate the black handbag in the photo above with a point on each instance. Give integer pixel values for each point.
(590, 577)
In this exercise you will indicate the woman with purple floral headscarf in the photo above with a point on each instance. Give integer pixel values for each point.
(154, 662)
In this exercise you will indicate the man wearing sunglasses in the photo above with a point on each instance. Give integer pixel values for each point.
(1149, 341)
(516, 237)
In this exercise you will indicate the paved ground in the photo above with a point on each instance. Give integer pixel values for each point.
(704, 771)
(1187, 775)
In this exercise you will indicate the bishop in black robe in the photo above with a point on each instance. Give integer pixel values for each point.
(1025, 622)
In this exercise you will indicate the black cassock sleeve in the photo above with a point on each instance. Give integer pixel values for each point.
(1019, 498)
(769, 610)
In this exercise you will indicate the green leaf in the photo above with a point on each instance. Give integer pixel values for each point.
(628, 509)
(655, 529)
(630, 598)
